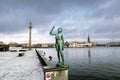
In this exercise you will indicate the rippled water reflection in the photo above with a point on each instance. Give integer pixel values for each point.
(90, 63)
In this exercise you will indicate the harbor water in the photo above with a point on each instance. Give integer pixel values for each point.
(99, 63)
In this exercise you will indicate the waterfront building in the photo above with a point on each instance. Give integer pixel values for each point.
(37, 45)
(47, 45)
(76, 44)
(81, 44)
(44, 45)
(13, 44)
(14, 49)
(113, 43)
(89, 43)
(25, 45)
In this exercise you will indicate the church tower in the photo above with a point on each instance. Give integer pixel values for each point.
(88, 40)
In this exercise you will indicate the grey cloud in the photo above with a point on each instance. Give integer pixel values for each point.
(107, 10)
(16, 14)
(105, 29)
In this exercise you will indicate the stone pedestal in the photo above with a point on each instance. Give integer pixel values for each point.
(56, 73)
(51, 72)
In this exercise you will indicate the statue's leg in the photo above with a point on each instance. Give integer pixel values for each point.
(61, 53)
(58, 54)
(62, 56)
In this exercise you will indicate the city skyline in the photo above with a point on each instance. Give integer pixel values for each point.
(78, 18)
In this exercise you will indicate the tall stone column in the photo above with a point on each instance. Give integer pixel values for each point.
(30, 35)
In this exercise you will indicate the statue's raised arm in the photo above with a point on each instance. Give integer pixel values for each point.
(51, 32)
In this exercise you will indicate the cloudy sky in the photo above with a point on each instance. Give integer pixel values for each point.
(78, 18)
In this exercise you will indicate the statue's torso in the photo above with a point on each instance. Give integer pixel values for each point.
(58, 38)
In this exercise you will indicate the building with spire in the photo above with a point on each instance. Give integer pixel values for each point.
(89, 43)
(88, 40)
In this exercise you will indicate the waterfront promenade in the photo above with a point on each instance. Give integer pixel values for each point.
(26, 67)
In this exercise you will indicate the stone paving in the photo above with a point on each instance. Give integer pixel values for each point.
(26, 67)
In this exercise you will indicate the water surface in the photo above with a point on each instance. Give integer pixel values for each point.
(98, 63)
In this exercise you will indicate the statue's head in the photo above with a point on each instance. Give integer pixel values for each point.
(59, 30)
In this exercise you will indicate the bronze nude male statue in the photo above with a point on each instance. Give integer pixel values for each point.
(59, 45)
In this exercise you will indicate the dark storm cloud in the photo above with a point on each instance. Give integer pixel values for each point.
(111, 15)
(15, 14)
(103, 21)
(108, 10)
(107, 20)
(76, 17)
